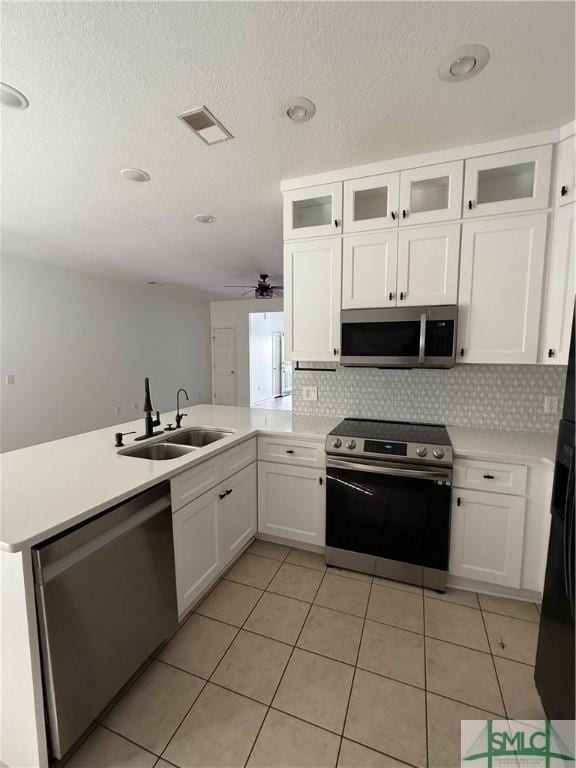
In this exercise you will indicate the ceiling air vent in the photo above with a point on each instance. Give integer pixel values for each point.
(205, 125)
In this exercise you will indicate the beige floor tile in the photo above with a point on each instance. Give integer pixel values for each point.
(458, 596)
(392, 584)
(512, 638)
(332, 633)
(104, 749)
(315, 689)
(393, 606)
(285, 742)
(354, 755)
(388, 716)
(455, 623)
(295, 581)
(278, 617)
(153, 708)
(268, 549)
(343, 594)
(393, 652)
(219, 731)
(463, 674)
(253, 571)
(253, 665)
(518, 609)
(230, 602)
(444, 718)
(199, 645)
(346, 574)
(307, 559)
(519, 690)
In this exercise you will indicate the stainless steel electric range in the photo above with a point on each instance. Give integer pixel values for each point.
(388, 500)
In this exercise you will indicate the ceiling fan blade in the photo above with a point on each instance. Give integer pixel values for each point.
(239, 286)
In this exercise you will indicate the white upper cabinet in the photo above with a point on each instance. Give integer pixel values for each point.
(369, 270)
(501, 271)
(432, 193)
(428, 265)
(508, 182)
(371, 203)
(312, 299)
(565, 190)
(559, 292)
(313, 212)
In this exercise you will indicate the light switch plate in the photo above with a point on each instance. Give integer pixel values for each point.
(9, 378)
(310, 393)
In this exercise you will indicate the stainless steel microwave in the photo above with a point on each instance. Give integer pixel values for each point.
(399, 337)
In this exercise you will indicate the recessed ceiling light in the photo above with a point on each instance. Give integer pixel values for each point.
(300, 109)
(463, 63)
(135, 174)
(204, 218)
(11, 97)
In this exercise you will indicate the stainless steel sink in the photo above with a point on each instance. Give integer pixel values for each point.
(197, 436)
(159, 451)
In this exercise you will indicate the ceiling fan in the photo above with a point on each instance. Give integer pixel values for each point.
(262, 290)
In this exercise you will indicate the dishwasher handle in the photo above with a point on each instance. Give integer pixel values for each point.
(70, 549)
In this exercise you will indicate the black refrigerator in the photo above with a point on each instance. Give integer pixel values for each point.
(554, 673)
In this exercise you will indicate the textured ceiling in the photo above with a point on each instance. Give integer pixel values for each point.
(106, 81)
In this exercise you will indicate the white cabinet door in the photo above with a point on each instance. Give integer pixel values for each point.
(369, 270)
(313, 212)
(559, 293)
(487, 535)
(432, 193)
(196, 547)
(291, 502)
(508, 182)
(499, 297)
(312, 287)
(238, 511)
(371, 203)
(565, 190)
(428, 265)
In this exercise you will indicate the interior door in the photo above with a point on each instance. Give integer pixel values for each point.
(224, 366)
(276, 363)
(428, 265)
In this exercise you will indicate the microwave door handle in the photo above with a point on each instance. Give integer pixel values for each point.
(422, 350)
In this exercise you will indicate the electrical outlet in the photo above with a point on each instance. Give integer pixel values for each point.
(550, 404)
(310, 393)
(9, 378)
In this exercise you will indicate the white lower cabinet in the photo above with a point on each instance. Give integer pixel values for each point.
(292, 502)
(487, 537)
(210, 531)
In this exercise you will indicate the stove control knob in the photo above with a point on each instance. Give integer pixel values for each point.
(438, 453)
(351, 444)
(421, 451)
(336, 443)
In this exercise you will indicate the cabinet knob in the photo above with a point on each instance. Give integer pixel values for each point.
(223, 495)
(335, 350)
(563, 190)
(390, 296)
(402, 295)
(458, 502)
(462, 352)
(404, 213)
(336, 223)
(551, 353)
(488, 477)
(470, 205)
(321, 480)
(290, 451)
(393, 215)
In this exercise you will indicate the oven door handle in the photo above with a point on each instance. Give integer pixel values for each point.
(422, 349)
(423, 474)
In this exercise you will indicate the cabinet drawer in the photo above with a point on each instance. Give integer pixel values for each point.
(191, 484)
(237, 458)
(490, 476)
(298, 452)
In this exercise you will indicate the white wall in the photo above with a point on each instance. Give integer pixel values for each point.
(80, 346)
(235, 314)
(262, 326)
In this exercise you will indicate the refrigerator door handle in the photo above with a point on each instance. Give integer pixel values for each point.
(567, 534)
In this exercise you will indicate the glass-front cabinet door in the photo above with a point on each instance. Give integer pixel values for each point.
(371, 203)
(432, 193)
(508, 182)
(313, 212)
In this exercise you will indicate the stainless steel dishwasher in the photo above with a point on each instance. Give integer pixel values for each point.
(106, 597)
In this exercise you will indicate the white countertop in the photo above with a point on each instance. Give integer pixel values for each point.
(47, 488)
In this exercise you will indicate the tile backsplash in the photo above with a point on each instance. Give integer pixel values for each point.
(483, 396)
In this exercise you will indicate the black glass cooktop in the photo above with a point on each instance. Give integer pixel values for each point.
(401, 431)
